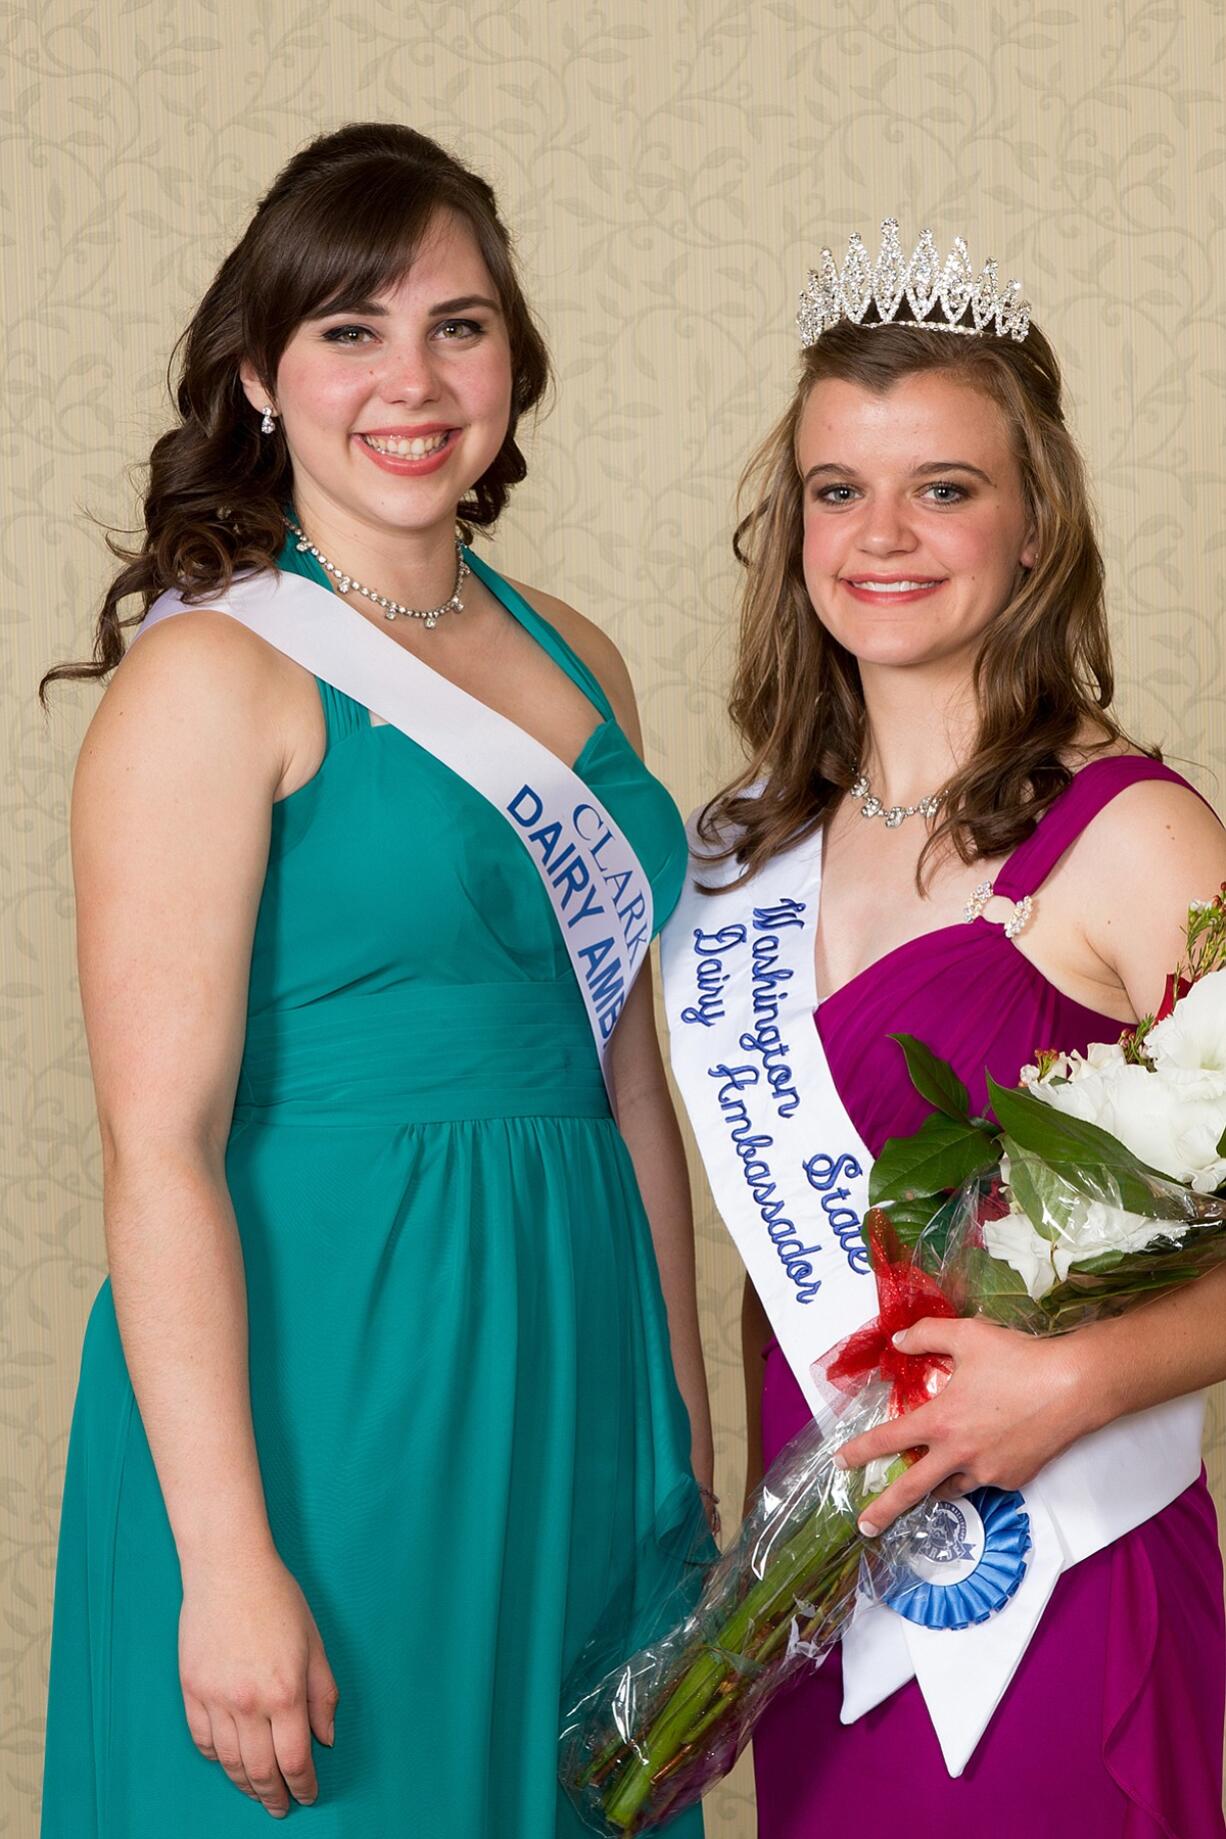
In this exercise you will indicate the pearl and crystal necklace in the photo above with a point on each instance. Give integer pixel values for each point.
(392, 609)
(893, 814)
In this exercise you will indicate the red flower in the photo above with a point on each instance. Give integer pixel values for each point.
(1176, 987)
(995, 1203)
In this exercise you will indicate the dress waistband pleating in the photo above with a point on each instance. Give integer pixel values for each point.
(423, 1053)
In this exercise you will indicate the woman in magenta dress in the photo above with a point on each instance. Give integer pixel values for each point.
(924, 610)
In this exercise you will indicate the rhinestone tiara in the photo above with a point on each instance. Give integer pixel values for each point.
(916, 293)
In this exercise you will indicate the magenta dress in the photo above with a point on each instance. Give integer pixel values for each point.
(1112, 1725)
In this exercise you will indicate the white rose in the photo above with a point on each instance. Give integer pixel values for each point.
(1015, 1242)
(1194, 1033)
(1101, 1055)
(1088, 1091)
(1089, 1229)
(1098, 1057)
(1172, 1118)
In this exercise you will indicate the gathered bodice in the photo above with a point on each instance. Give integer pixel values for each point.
(394, 888)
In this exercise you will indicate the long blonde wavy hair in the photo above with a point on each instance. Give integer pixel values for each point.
(1043, 669)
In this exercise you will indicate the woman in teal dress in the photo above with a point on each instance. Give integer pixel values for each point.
(380, 1408)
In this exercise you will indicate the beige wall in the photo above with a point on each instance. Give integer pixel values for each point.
(671, 171)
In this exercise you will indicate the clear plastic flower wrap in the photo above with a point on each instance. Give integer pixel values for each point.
(1036, 1218)
(651, 1736)
(1078, 1251)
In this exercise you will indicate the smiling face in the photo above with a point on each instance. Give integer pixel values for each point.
(394, 407)
(915, 523)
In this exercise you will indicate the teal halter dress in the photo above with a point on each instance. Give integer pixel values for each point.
(469, 1430)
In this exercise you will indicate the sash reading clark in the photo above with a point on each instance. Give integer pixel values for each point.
(574, 869)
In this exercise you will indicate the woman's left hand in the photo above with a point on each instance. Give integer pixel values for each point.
(1011, 1404)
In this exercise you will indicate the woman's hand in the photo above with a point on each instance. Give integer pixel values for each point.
(256, 1682)
(1011, 1404)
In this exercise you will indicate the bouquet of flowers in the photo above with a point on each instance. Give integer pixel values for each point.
(1097, 1183)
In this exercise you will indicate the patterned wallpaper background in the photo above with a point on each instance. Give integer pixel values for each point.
(670, 171)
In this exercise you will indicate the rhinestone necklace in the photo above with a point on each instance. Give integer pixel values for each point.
(893, 814)
(392, 609)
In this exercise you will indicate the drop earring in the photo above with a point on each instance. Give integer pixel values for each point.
(270, 421)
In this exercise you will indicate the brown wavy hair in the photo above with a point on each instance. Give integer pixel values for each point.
(1042, 671)
(342, 221)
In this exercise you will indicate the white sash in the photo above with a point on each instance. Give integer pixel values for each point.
(739, 986)
(786, 1165)
(597, 888)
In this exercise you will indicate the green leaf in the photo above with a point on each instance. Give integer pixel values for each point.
(1100, 1263)
(999, 1293)
(1037, 1191)
(1221, 1144)
(1090, 1159)
(934, 1079)
(923, 1226)
(911, 1217)
(941, 1155)
(1099, 1287)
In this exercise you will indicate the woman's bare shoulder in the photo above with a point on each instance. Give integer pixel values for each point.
(196, 685)
(201, 651)
(1155, 820)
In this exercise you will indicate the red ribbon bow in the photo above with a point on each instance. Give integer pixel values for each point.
(905, 1295)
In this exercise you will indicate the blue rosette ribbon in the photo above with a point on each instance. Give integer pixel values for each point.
(963, 1561)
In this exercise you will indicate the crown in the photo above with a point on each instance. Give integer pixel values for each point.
(916, 293)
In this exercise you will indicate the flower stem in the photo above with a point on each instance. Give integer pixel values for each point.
(816, 1562)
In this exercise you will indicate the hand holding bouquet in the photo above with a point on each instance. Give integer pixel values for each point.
(1098, 1183)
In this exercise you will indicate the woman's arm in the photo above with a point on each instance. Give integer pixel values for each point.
(170, 828)
(648, 1123)
(645, 1113)
(756, 1334)
(1155, 850)
(1015, 1402)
